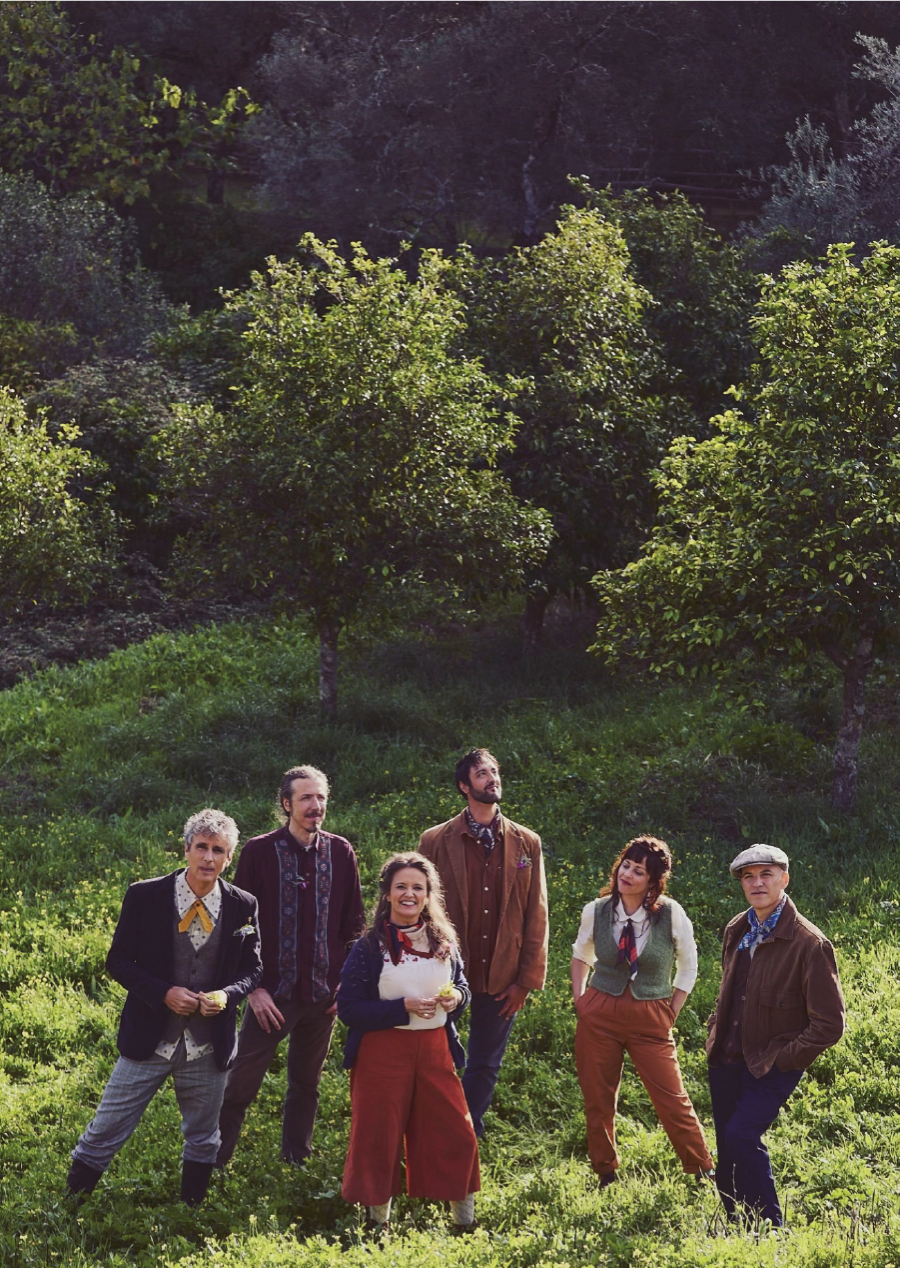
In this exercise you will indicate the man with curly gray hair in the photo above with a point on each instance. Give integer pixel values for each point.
(186, 948)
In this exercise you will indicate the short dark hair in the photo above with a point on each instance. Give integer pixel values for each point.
(287, 783)
(465, 764)
(652, 853)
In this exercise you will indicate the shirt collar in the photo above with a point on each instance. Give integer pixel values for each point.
(639, 918)
(185, 897)
(314, 844)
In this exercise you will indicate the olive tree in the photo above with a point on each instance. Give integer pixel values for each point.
(778, 536)
(357, 462)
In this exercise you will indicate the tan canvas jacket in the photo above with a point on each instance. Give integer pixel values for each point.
(520, 952)
(794, 1007)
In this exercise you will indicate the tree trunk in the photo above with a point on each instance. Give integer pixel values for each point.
(328, 670)
(533, 623)
(855, 669)
(215, 188)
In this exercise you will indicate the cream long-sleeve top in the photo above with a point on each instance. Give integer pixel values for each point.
(682, 936)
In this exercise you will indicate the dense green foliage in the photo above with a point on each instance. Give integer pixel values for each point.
(104, 762)
(54, 546)
(80, 120)
(777, 537)
(357, 461)
(566, 317)
(703, 295)
(71, 282)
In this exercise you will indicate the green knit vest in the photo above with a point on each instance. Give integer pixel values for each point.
(654, 964)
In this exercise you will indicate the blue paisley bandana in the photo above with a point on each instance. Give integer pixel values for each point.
(485, 833)
(759, 932)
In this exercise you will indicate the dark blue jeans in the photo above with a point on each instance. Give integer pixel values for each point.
(743, 1108)
(488, 1035)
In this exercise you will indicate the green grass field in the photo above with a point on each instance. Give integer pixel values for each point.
(101, 764)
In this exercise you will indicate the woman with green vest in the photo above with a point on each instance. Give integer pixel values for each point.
(640, 946)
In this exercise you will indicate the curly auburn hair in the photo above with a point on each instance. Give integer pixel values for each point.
(441, 934)
(651, 853)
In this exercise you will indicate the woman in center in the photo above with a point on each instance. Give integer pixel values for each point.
(402, 987)
(637, 947)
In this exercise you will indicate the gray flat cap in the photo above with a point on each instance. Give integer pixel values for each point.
(759, 854)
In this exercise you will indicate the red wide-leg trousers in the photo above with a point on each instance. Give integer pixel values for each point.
(404, 1090)
(608, 1027)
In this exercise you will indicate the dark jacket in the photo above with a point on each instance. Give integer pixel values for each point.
(258, 872)
(794, 1008)
(520, 952)
(361, 1009)
(142, 955)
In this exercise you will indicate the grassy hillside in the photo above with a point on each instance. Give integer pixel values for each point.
(101, 764)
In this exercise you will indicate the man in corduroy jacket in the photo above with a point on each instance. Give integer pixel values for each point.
(780, 1005)
(492, 872)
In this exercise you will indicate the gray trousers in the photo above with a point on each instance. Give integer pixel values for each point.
(308, 1028)
(199, 1086)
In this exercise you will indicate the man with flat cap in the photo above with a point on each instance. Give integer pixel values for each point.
(780, 1005)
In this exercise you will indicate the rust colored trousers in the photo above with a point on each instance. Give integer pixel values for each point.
(608, 1027)
(404, 1090)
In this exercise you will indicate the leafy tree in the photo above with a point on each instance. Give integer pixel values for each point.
(703, 293)
(119, 408)
(80, 119)
(82, 115)
(827, 194)
(357, 462)
(438, 123)
(71, 284)
(564, 316)
(778, 536)
(55, 545)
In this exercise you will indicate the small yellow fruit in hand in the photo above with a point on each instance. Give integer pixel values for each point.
(216, 997)
(447, 989)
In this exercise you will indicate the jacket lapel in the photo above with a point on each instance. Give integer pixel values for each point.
(228, 916)
(165, 919)
(458, 861)
(513, 849)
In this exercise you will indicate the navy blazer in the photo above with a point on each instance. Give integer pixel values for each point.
(142, 956)
(361, 1008)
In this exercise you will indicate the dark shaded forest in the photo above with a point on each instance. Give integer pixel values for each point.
(441, 123)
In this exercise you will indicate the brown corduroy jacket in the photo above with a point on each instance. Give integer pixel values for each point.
(520, 952)
(794, 1007)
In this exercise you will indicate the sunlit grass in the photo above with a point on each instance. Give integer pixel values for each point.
(101, 764)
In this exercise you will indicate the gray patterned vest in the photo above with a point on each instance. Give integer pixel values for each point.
(195, 970)
(655, 964)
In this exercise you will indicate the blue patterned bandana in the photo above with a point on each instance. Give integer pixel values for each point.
(759, 932)
(485, 833)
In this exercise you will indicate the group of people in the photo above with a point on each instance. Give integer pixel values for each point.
(459, 924)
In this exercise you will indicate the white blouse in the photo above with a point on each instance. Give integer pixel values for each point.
(418, 976)
(682, 936)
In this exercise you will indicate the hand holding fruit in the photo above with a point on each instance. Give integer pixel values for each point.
(212, 1002)
(449, 997)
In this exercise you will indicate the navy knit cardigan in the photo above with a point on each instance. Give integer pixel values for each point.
(361, 1009)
